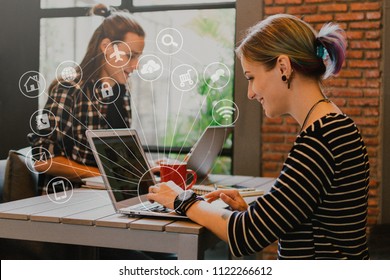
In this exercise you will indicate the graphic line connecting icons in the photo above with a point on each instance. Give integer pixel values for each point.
(59, 190)
(117, 54)
(216, 75)
(43, 122)
(32, 84)
(150, 68)
(184, 77)
(103, 90)
(169, 41)
(225, 112)
(67, 73)
(38, 157)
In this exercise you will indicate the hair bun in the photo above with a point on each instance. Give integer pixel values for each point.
(101, 10)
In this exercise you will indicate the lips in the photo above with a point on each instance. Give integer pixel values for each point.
(261, 100)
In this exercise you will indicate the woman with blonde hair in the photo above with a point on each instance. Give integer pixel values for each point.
(317, 208)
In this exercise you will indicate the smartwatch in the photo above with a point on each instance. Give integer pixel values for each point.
(184, 201)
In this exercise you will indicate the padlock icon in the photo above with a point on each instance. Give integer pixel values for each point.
(106, 90)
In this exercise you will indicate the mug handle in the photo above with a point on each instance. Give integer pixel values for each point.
(194, 178)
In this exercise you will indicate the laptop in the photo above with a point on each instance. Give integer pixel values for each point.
(126, 172)
(204, 152)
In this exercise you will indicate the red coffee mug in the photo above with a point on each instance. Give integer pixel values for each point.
(176, 171)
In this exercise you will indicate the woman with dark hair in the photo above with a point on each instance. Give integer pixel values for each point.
(317, 208)
(79, 104)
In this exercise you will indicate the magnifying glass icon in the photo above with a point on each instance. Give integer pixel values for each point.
(167, 40)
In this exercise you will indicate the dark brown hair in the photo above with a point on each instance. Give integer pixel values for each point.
(116, 24)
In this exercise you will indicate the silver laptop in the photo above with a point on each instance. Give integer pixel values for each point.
(126, 172)
(207, 148)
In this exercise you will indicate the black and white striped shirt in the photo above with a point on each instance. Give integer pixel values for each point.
(318, 205)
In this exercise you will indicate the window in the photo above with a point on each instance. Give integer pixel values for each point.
(169, 112)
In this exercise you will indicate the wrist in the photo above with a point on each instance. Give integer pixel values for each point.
(184, 201)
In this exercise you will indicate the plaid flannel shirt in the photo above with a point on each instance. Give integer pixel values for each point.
(76, 110)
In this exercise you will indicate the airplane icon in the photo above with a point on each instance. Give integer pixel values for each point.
(117, 53)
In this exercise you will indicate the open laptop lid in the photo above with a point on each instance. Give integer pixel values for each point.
(122, 162)
(207, 148)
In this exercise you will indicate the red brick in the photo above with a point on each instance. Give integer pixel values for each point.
(355, 35)
(283, 2)
(365, 25)
(365, 45)
(283, 148)
(272, 138)
(302, 10)
(371, 92)
(373, 83)
(370, 131)
(348, 92)
(341, 102)
(273, 120)
(352, 111)
(274, 10)
(349, 16)
(354, 54)
(270, 166)
(364, 102)
(373, 54)
(357, 84)
(350, 73)
(365, 6)
(278, 129)
(373, 34)
(347, 73)
(268, 2)
(317, 1)
(373, 15)
(318, 18)
(363, 64)
(337, 83)
(372, 74)
(333, 8)
(371, 112)
(273, 157)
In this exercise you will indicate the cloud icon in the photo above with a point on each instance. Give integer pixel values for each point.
(150, 67)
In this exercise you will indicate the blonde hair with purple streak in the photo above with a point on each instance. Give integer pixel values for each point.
(318, 55)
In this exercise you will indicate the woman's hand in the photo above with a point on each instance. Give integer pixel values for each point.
(164, 193)
(230, 197)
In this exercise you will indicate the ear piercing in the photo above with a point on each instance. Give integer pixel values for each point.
(284, 79)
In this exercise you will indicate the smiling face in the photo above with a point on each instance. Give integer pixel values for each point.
(266, 87)
(120, 66)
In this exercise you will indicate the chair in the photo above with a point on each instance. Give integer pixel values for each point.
(17, 181)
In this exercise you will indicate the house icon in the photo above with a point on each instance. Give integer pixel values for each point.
(32, 83)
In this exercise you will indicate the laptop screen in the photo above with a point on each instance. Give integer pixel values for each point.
(125, 167)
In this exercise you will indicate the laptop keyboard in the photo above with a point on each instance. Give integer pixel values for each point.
(153, 207)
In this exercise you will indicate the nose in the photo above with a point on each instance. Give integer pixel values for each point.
(251, 94)
(133, 65)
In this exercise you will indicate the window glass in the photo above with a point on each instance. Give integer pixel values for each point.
(50, 4)
(173, 2)
(168, 111)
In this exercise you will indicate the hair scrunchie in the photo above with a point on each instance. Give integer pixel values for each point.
(321, 51)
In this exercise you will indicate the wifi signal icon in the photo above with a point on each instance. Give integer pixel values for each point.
(226, 112)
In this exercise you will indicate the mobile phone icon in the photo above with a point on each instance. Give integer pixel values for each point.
(59, 190)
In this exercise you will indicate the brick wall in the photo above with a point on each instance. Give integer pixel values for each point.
(356, 90)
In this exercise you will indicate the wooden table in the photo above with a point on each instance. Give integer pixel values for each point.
(89, 219)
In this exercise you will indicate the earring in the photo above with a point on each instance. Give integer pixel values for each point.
(284, 78)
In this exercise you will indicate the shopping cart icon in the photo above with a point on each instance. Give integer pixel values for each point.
(186, 78)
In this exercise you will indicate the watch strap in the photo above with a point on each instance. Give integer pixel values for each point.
(184, 205)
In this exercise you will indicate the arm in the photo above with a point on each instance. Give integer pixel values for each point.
(202, 212)
(62, 166)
